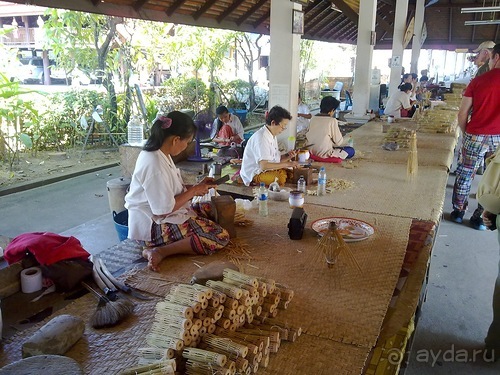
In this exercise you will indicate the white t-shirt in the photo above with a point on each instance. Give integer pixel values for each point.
(262, 145)
(234, 123)
(324, 135)
(396, 102)
(155, 183)
(302, 123)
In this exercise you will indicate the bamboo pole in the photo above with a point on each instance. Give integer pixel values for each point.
(204, 356)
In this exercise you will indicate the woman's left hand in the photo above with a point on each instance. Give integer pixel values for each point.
(202, 187)
(292, 154)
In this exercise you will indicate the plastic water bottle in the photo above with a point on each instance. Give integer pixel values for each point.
(350, 141)
(263, 200)
(135, 136)
(301, 184)
(322, 181)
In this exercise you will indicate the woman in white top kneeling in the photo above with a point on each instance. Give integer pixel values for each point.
(262, 161)
(159, 203)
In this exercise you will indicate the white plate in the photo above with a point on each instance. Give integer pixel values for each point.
(352, 230)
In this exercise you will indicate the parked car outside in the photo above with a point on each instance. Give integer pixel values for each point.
(31, 71)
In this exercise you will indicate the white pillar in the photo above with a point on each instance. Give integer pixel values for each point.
(417, 40)
(397, 45)
(364, 53)
(284, 62)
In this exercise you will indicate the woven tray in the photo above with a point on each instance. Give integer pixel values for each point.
(348, 308)
(384, 189)
(104, 351)
(433, 149)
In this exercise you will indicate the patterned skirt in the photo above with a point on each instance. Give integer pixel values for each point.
(207, 237)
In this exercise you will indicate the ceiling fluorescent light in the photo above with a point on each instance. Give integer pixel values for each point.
(482, 22)
(480, 9)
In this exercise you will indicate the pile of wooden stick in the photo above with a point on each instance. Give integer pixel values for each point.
(224, 327)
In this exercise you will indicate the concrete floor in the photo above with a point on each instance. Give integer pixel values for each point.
(455, 316)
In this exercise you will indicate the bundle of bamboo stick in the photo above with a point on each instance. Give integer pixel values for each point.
(226, 327)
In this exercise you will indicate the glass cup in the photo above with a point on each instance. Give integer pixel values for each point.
(296, 199)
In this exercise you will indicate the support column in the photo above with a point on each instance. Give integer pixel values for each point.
(417, 37)
(364, 54)
(284, 62)
(397, 45)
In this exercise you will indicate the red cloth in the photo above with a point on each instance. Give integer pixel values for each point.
(48, 248)
(485, 117)
(332, 159)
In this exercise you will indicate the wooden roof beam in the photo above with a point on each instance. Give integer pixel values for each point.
(340, 31)
(384, 24)
(346, 10)
(333, 30)
(139, 4)
(262, 19)
(229, 10)
(340, 27)
(317, 17)
(174, 7)
(328, 27)
(203, 9)
(251, 11)
(96, 2)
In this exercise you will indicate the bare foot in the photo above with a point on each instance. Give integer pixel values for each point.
(154, 258)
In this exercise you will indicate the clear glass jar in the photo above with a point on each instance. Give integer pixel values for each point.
(296, 199)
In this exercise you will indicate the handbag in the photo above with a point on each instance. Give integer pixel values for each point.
(488, 191)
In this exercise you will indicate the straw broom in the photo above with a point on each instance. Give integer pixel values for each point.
(109, 313)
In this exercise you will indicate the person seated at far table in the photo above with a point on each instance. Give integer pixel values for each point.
(399, 102)
(262, 161)
(324, 133)
(161, 216)
(229, 127)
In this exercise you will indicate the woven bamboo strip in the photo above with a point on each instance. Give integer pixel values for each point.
(230, 314)
(251, 289)
(164, 342)
(231, 303)
(184, 323)
(169, 330)
(277, 322)
(156, 354)
(196, 306)
(200, 368)
(198, 323)
(189, 290)
(201, 315)
(224, 323)
(214, 302)
(231, 365)
(209, 292)
(272, 298)
(226, 343)
(228, 289)
(274, 336)
(286, 293)
(220, 295)
(208, 321)
(261, 341)
(245, 301)
(169, 366)
(204, 356)
(170, 308)
(240, 277)
(268, 307)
